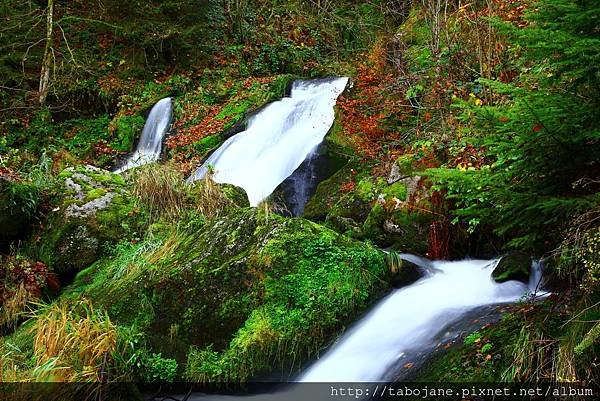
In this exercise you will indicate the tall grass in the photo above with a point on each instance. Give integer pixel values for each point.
(393, 261)
(12, 308)
(160, 189)
(210, 199)
(72, 343)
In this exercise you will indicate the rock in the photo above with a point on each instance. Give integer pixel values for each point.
(407, 274)
(235, 194)
(395, 174)
(93, 209)
(414, 190)
(513, 266)
(342, 224)
(401, 169)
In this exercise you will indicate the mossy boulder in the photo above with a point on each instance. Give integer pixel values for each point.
(93, 209)
(245, 294)
(392, 211)
(513, 266)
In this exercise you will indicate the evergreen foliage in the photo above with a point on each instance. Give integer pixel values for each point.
(542, 137)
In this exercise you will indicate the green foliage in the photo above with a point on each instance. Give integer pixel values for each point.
(205, 145)
(473, 338)
(127, 129)
(543, 138)
(159, 369)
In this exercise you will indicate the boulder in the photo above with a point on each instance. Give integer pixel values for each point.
(93, 209)
(235, 194)
(342, 224)
(513, 266)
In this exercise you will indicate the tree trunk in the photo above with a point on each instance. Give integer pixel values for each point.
(47, 61)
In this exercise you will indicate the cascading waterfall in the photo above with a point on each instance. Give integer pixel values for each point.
(410, 318)
(150, 145)
(277, 139)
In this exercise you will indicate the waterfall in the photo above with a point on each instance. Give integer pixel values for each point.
(410, 318)
(150, 145)
(277, 139)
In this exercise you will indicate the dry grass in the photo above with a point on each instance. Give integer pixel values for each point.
(211, 201)
(73, 344)
(14, 307)
(161, 190)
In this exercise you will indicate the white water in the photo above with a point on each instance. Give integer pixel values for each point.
(276, 140)
(411, 317)
(150, 144)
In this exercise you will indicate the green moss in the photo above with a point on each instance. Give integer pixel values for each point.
(94, 194)
(78, 231)
(125, 129)
(236, 291)
(486, 355)
(206, 145)
(396, 190)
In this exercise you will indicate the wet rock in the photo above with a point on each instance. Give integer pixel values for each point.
(407, 274)
(235, 194)
(342, 224)
(513, 266)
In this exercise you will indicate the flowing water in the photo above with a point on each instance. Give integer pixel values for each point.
(410, 318)
(277, 139)
(150, 145)
(408, 323)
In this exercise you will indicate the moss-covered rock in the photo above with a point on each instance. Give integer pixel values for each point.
(513, 266)
(235, 194)
(244, 294)
(93, 209)
(388, 212)
(348, 193)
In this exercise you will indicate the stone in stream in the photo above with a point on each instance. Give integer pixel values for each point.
(513, 266)
(406, 272)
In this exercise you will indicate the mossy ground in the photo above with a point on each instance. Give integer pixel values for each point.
(246, 294)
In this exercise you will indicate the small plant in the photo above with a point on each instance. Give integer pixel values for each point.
(393, 261)
(473, 338)
(159, 369)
